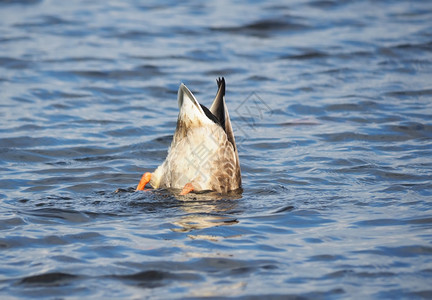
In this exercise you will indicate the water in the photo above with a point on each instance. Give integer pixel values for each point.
(331, 106)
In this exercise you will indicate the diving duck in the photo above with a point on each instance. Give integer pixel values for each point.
(203, 154)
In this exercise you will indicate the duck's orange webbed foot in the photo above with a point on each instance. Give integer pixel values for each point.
(144, 180)
(187, 189)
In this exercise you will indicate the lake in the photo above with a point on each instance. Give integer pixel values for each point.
(331, 105)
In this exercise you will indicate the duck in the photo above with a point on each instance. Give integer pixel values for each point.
(203, 155)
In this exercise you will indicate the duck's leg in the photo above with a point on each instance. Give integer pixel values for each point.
(144, 180)
(187, 189)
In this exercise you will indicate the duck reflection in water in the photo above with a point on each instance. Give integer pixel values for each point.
(207, 210)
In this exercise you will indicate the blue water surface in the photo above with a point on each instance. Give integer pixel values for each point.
(331, 104)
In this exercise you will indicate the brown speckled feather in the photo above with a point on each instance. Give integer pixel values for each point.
(203, 151)
(225, 175)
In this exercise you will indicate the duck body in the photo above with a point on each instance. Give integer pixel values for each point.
(203, 155)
